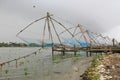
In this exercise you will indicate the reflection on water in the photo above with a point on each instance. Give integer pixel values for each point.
(34, 67)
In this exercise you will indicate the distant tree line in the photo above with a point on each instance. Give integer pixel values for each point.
(13, 44)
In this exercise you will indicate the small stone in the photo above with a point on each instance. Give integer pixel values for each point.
(117, 65)
(110, 76)
(105, 73)
(109, 67)
(75, 69)
(113, 67)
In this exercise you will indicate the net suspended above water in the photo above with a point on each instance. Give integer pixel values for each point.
(50, 30)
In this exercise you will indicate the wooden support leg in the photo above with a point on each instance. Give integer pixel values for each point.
(90, 54)
(74, 50)
(16, 63)
(63, 53)
(87, 53)
(52, 54)
(1, 66)
(106, 52)
(75, 53)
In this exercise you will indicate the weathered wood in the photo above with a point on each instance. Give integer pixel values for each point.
(87, 53)
(64, 49)
(44, 33)
(89, 50)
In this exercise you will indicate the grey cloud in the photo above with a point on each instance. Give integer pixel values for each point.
(96, 15)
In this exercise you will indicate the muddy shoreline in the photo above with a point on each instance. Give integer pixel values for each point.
(104, 67)
(78, 68)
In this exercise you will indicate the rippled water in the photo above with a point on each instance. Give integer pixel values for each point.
(34, 67)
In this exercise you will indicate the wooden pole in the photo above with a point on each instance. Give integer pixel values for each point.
(53, 52)
(90, 53)
(74, 50)
(113, 41)
(63, 26)
(44, 34)
(16, 63)
(91, 39)
(30, 25)
(96, 53)
(75, 30)
(49, 29)
(87, 53)
(83, 34)
(55, 30)
(63, 50)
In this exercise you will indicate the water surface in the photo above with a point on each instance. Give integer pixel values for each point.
(35, 67)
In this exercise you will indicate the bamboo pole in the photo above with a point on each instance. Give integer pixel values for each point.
(44, 33)
(55, 30)
(63, 26)
(75, 30)
(30, 25)
(49, 29)
(83, 34)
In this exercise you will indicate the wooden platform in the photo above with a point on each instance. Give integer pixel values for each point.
(64, 49)
(104, 49)
(94, 49)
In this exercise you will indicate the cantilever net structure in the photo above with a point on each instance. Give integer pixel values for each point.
(51, 31)
(48, 29)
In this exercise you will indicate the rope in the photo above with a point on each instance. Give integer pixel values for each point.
(64, 20)
(7, 62)
(30, 25)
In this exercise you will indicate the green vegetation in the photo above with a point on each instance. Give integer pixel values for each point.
(96, 61)
(34, 45)
(92, 72)
(60, 56)
(21, 63)
(6, 71)
(12, 44)
(57, 58)
(26, 71)
(56, 62)
(15, 44)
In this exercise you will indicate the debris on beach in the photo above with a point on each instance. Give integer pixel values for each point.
(108, 68)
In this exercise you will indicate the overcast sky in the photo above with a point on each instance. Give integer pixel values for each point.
(97, 15)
